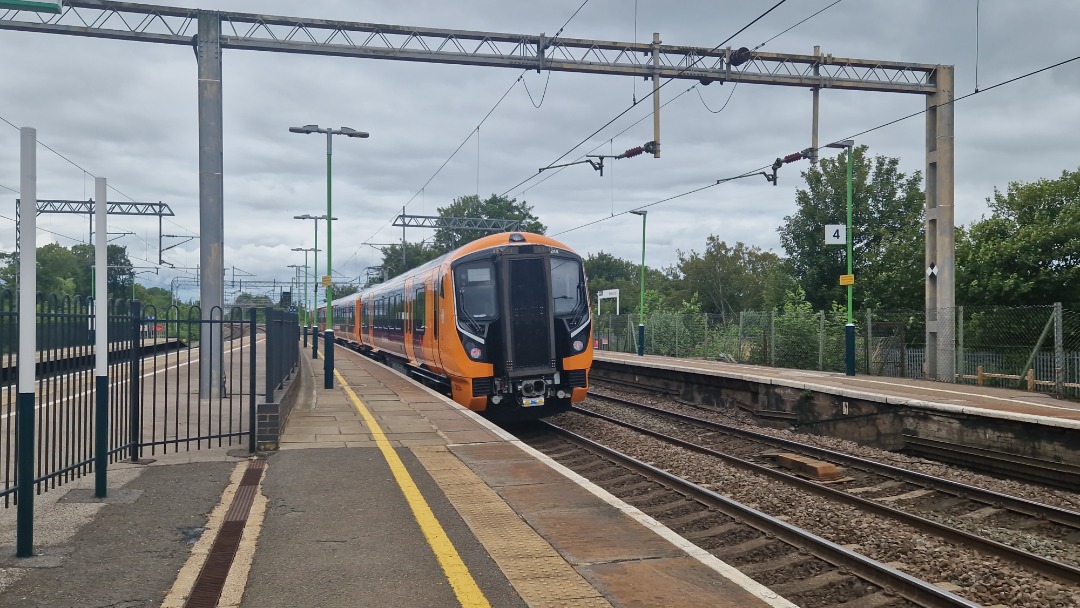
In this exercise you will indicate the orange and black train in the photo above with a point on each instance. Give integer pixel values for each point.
(502, 324)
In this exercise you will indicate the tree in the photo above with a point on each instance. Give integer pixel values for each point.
(605, 271)
(728, 279)
(57, 269)
(121, 272)
(888, 239)
(247, 300)
(493, 208)
(345, 289)
(158, 298)
(415, 255)
(1028, 251)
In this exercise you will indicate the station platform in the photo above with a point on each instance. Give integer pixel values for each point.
(986, 401)
(1026, 434)
(383, 493)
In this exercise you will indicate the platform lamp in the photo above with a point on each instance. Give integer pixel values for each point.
(328, 348)
(849, 329)
(314, 283)
(641, 304)
(295, 280)
(308, 310)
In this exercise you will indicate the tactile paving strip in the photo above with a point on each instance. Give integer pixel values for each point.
(539, 574)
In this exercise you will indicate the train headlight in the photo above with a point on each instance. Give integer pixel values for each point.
(578, 345)
(475, 352)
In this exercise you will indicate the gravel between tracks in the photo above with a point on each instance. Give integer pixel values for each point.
(978, 577)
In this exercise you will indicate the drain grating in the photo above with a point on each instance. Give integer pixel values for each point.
(211, 581)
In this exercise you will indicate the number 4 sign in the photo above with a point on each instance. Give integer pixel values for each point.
(836, 234)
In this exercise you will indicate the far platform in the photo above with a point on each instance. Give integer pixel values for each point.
(891, 413)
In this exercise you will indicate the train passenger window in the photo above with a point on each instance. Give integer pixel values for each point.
(475, 285)
(567, 285)
(419, 310)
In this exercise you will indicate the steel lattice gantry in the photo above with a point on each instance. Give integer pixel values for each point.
(455, 223)
(211, 31)
(87, 208)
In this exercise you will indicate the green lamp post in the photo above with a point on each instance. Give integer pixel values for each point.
(849, 329)
(641, 303)
(328, 336)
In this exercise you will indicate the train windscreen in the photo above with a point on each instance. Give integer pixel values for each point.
(567, 285)
(476, 291)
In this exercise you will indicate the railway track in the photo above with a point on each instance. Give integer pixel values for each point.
(804, 568)
(959, 513)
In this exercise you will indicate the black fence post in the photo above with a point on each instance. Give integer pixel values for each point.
(271, 368)
(252, 407)
(135, 431)
(295, 352)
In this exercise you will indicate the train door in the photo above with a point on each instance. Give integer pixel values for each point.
(407, 307)
(437, 308)
(418, 295)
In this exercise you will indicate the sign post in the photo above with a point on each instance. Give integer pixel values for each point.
(606, 295)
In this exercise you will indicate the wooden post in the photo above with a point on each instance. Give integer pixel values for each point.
(1031, 379)
(980, 376)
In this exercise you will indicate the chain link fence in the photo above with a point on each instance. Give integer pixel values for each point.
(1031, 347)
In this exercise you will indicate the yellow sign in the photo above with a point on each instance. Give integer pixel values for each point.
(847, 279)
(326, 280)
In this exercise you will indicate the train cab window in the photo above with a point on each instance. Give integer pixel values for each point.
(475, 285)
(419, 309)
(567, 285)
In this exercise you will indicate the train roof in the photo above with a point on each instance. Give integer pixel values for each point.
(499, 239)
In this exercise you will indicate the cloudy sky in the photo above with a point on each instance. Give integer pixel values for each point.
(128, 111)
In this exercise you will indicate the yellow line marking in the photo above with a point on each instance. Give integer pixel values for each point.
(466, 589)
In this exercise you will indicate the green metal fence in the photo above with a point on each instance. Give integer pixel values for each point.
(1030, 347)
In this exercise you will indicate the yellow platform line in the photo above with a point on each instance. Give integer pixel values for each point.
(466, 589)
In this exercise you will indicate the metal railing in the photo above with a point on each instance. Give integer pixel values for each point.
(64, 421)
(282, 349)
(1036, 347)
(154, 401)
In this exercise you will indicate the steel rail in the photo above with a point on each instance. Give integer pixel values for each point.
(1057, 474)
(1057, 515)
(1047, 567)
(906, 586)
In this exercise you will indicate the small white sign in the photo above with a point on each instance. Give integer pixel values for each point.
(836, 234)
(608, 293)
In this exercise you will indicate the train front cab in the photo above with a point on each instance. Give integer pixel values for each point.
(523, 328)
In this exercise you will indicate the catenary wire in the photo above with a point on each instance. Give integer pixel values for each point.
(670, 198)
(694, 87)
(631, 126)
(77, 166)
(962, 97)
(633, 105)
(881, 126)
(520, 78)
(796, 25)
(70, 238)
